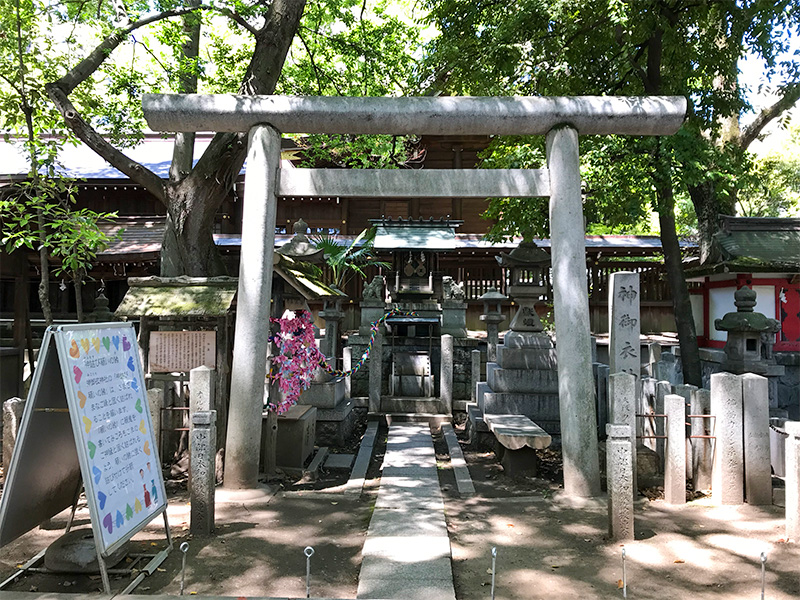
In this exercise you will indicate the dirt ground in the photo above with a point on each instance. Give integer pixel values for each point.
(547, 545)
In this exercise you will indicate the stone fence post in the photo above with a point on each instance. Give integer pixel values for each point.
(446, 377)
(476, 374)
(619, 480)
(347, 364)
(203, 457)
(757, 468)
(726, 406)
(702, 449)
(376, 373)
(201, 392)
(675, 463)
(155, 400)
(13, 408)
(662, 389)
(793, 481)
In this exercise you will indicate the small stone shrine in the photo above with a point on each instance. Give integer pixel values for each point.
(524, 378)
(751, 336)
(411, 344)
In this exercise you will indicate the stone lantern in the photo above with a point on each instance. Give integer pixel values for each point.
(751, 336)
(492, 316)
(527, 264)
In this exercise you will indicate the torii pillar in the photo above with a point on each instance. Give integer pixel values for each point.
(560, 119)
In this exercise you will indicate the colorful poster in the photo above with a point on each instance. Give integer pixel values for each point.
(113, 431)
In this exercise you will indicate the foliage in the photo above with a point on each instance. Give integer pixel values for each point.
(348, 260)
(354, 48)
(773, 189)
(601, 47)
(36, 212)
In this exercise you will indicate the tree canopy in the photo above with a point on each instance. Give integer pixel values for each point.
(640, 47)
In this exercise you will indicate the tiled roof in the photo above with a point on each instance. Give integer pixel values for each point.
(142, 238)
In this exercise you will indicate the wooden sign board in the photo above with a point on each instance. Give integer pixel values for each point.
(182, 351)
(86, 418)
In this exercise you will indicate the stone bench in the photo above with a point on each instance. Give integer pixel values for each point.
(517, 438)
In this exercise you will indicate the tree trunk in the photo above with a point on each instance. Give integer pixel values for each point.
(44, 267)
(192, 202)
(183, 152)
(706, 208)
(681, 303)
(77, 282)
(188, 247)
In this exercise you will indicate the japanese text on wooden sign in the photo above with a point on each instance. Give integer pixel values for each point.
(181, 351)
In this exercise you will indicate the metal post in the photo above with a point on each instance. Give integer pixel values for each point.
(184, 547)
(494, 567)
(624, 576)
(309, 552)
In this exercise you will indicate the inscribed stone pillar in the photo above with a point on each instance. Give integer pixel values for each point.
(571, 299)
(202, 384)
(446, 376)
(757, 468)
(726, 406)
(623, 323)
(622, 407)
(203, 456)
(155, 400)
(253, 306)
(13, 409)
(476, 374)
(793, 481)
(675, 463)
(376, 374)
(702, 448)
(619, 482)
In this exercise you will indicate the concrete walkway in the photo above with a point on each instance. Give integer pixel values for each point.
(407, 551)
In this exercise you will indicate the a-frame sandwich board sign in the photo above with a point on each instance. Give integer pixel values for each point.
(86, 419)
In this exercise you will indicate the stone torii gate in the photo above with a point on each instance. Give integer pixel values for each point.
(561, 119)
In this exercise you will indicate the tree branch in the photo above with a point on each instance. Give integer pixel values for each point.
(223, 158)
(140, 174)
(790, 97)
(237, 18)
(84, 69)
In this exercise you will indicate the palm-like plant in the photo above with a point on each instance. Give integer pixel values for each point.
(346, 260)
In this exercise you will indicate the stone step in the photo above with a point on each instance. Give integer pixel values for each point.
(398, 404)
(434, 419)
